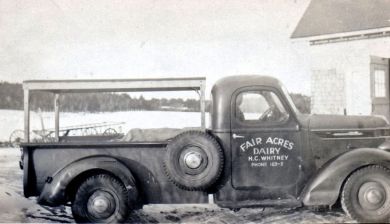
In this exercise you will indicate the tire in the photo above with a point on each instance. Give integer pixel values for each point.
(101, 199)
(16, 137)
(193, 161)
(366, 195)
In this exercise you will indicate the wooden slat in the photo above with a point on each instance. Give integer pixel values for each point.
(57, 117)
(97, 144)
(116, 85)
(26, 116)
(202, 101)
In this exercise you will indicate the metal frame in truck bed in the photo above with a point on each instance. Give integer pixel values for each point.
(108, 85)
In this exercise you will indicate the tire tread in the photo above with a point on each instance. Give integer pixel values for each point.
(90, 181)
(220, 158)
(345, 200)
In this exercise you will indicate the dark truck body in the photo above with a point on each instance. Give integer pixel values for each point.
(43, 161)
(304, 160)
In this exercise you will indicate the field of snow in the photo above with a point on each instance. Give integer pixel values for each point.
(11, 120)
(15, 208)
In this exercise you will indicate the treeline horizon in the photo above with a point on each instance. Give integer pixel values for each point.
(11, 97)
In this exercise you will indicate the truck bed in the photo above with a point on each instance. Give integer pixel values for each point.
(136, 135)
(94, 143)
(145, 160)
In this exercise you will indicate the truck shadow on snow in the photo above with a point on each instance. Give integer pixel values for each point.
(59, 214)
(196, 214)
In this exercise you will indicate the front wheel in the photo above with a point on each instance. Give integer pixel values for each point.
(366, 195)
(101, 199)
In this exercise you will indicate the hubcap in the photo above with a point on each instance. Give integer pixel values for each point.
(372, 195)
(193, 160)
(101, 204)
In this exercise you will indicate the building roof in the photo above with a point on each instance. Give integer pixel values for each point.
(324, 17)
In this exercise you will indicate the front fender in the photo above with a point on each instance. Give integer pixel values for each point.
(54, 191)
(325, 186)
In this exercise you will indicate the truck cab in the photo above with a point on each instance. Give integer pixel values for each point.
(276, 155)
(263, 139)
(259, 151)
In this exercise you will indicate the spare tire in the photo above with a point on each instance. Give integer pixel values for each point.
(194, 160)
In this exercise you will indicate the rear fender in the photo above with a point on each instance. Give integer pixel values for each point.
(55, 189)
(324, 188)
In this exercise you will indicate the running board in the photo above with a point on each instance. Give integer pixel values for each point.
(288, 203)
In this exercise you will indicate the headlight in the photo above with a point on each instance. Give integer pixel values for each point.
(382, 117)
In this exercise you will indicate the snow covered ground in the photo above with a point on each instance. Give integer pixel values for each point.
(15, 208)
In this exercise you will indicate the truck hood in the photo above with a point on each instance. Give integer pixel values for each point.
(316, 122)
(341, 126)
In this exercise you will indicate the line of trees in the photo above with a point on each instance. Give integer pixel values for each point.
(11, 97)
(95, 102)
(302, 102)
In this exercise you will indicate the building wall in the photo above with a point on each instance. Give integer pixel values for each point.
(341, 75)
(329, 94)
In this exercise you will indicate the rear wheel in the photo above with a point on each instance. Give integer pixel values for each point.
(101, 198)
(366, 195)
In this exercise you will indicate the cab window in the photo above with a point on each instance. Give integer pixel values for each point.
(260, 107)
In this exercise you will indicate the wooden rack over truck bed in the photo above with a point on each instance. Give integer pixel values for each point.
(108, 85)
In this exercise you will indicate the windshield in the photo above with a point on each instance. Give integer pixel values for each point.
(289, 99)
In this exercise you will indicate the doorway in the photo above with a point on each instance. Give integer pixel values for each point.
(379, 69)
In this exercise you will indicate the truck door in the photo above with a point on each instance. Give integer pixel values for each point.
(265, 140)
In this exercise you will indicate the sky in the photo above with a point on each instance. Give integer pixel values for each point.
(69, 39)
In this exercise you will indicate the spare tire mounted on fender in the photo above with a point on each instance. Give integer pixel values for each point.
(194, 160)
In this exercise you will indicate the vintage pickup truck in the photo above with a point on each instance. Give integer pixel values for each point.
(259, 151)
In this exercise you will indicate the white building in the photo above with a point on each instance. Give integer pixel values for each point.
(347, 44)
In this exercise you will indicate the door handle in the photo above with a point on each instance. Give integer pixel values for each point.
(237, 136)
(350, 133)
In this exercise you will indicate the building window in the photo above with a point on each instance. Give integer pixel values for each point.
(260, 106)
(380, 83)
